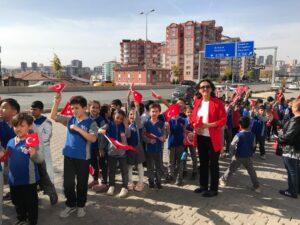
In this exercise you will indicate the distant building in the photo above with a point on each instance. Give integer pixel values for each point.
(108, 70)
(260, 60)
(23, 66)
(184, 41)
(34, 66)
(141, 76)
(294, 62)
(248, 65)
(25, 78)
(269, 60)
(98, 70)
(76, 63)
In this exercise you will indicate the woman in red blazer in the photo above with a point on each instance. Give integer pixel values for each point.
(208, 118)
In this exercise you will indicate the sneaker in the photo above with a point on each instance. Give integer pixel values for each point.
(287, 194)
(151, 184)
(130, 186)
(81, 212)
(53, 198)
(111, 191)
(263, 157)
(100, 188)
(200, 190)
(209, 194)
(139, 187)
(67, 212)
(257, 190)
(222, 183)
(93, 183)
(123, 193)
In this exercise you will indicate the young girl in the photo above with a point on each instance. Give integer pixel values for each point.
(115, 129)
(134, 138)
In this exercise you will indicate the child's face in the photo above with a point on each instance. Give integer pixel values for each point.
(36, 113)
(22, 129)
(154, 113)
(261, 111)
(113, 106)
(7, 112)
(118, 118)
(188, 112)
(132, 116)
(94, 109)
(78, 111)
(182, 105)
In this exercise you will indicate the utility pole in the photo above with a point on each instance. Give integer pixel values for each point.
(0, 70)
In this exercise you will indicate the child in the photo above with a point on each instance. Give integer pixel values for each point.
(242, 147)
(81, 132)
(134, 138)
(116, 129)
(94, 110)
(176, 149)
(23, 171)
(154, 149)
(43, 127)
(103, 157)
(258, 128)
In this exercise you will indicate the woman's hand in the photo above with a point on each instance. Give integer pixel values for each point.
(209, 125)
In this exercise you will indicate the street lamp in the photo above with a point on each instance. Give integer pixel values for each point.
(146, 14)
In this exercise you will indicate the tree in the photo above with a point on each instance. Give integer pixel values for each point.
(56, 65)
(175, 72)
(251, 74)
(265, 73)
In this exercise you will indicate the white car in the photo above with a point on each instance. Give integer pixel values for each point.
(43, 83)
(293, 87)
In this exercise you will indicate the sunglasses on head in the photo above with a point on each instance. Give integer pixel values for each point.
(205, 87)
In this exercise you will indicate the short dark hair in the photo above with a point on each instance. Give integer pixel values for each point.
(244, 122)
(13, 103)
(211, 84)
(121, 112)
(116, 102)
(20, 118)
(270, 99)
(103, 110)
(155, 106)
(37, 105)
(78, 100)
(150, 102)
(94, 102)
(262, 107)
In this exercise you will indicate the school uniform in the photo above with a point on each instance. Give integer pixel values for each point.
(76, 154)
(23, 177)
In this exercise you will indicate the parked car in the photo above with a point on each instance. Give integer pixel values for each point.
(42, 83)
(188, 82)
(186, 92)
(293, 86)
(104, 84)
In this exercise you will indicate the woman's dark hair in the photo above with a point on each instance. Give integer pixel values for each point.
(213, 88)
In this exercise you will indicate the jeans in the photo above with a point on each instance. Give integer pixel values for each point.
(112, 169)
(45, 183)
(49, 165)
(154, 163)
(293, 171)
(209, 163)
(228, 138)
(95, 163)
(261, 141)
(175, 162)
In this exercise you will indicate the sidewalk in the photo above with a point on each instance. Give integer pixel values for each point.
(235, 204)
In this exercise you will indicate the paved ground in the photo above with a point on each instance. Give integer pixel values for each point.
(236, 204)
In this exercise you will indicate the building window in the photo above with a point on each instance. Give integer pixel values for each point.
(129, 76)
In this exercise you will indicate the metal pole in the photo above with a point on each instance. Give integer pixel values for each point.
(199, 66)
(274, 62)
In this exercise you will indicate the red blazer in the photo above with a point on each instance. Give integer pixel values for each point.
(216, 114)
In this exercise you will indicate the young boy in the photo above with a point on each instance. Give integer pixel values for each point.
(23, 172)
(242, 148)
(258, 128)
(176, 149)
(81, 132)
(43, 126)
(155, 127)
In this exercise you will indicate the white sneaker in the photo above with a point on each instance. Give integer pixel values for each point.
(123, 193)
(222, 183)
(67, 212)
(81, 212)
(111, 191)
(257, 190)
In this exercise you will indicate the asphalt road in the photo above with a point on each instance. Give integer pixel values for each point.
(25, 99)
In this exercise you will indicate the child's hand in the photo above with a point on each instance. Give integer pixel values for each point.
(102, 131)
(74, 127)
(152, 141)
(32, 151)
(57, 98)
(162, 139)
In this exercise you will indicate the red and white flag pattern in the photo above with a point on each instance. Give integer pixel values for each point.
(57, 87)
(7, 154)
(32, 140)
(137, 96)
(119, 145)
(155, 95)
(172, 111)
(67, 111)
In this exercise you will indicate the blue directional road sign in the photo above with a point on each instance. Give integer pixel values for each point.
(220, 50)
(245, 49)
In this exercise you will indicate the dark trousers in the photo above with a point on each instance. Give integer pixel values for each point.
(209, 163)
(112, 163)
(293, 170)
(95, 163)
(228, 138)
(272, 129)
(260, 140)
(45, 183)
(76, 170)
(103, 163)
(25, 199)
(154, 166)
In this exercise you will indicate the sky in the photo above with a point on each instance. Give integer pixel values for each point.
(91, 30)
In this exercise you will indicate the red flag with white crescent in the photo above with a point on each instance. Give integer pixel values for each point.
(189, 138)
(137, 96)
(67, 111)
(155, 95)
(32, 140)
(119, 145)
(172, 111)
(57, 87)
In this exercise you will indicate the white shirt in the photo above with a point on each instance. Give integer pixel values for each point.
(203, 112)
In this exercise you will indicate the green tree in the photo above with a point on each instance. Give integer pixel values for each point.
(265, 73)
(175, 72)
(56, 65)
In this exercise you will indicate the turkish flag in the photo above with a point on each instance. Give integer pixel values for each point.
(172, 111)
(155, 95)
(253, 103)
(275, 145)
(199, 122)
(119, 145)
(150, 135)
(57, 87)
(67, 111)
(137, 96)
(189, 138)
(91, 170)
(32, 140)
(6, 155)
